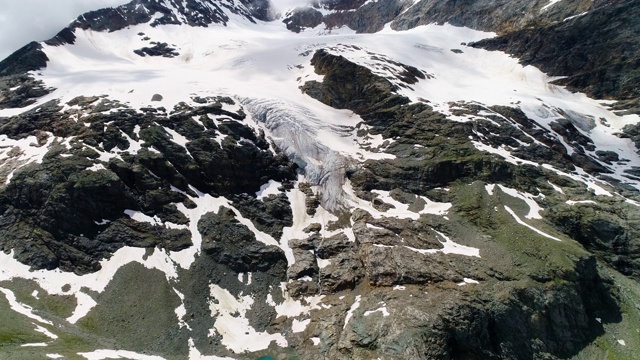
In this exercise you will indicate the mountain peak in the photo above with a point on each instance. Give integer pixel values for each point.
(176, 12)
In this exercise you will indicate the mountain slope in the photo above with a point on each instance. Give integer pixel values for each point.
(185, 180)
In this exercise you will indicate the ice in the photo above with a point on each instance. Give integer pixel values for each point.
(262, 66)
(298, 131)
(315, 135)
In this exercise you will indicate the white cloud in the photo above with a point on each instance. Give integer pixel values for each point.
(22, 21)
(281, 6)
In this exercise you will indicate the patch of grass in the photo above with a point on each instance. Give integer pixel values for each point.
(474, 204)
(46, 304)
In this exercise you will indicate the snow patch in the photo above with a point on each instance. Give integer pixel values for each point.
(449, 247)
(23, 309)
(352, 309)
(48, 333)
(571, 202)
(299, 326)
(468, 281)
(294, 308)
(270, 188)
(382, 309)
(231, 323)
(550, 4)
(117, 354)
(519, 221)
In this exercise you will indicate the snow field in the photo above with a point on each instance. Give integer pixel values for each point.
(264, 65)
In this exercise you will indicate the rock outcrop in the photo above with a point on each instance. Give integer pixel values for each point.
(595, 51)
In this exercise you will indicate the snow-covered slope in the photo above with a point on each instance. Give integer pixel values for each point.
(266, 62)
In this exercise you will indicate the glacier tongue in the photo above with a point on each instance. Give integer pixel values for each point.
(297, 131)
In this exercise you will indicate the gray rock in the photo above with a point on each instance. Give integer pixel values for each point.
(300, 288)
(305, 265)
(329, 247)
(233, 244)
(313, 228)
(343, 272)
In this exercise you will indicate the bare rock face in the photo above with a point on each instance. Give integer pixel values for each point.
(302, 18)
(30, 57)
(20, 90)
(190, 12)
(405, 252)
(587, 66)
(361, 16)
(83, 206)
(305, 265)
(234, 245)
(501, 16)
(564, 38)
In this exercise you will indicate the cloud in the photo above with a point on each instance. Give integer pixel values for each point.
(281, 6)
(23, 21)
